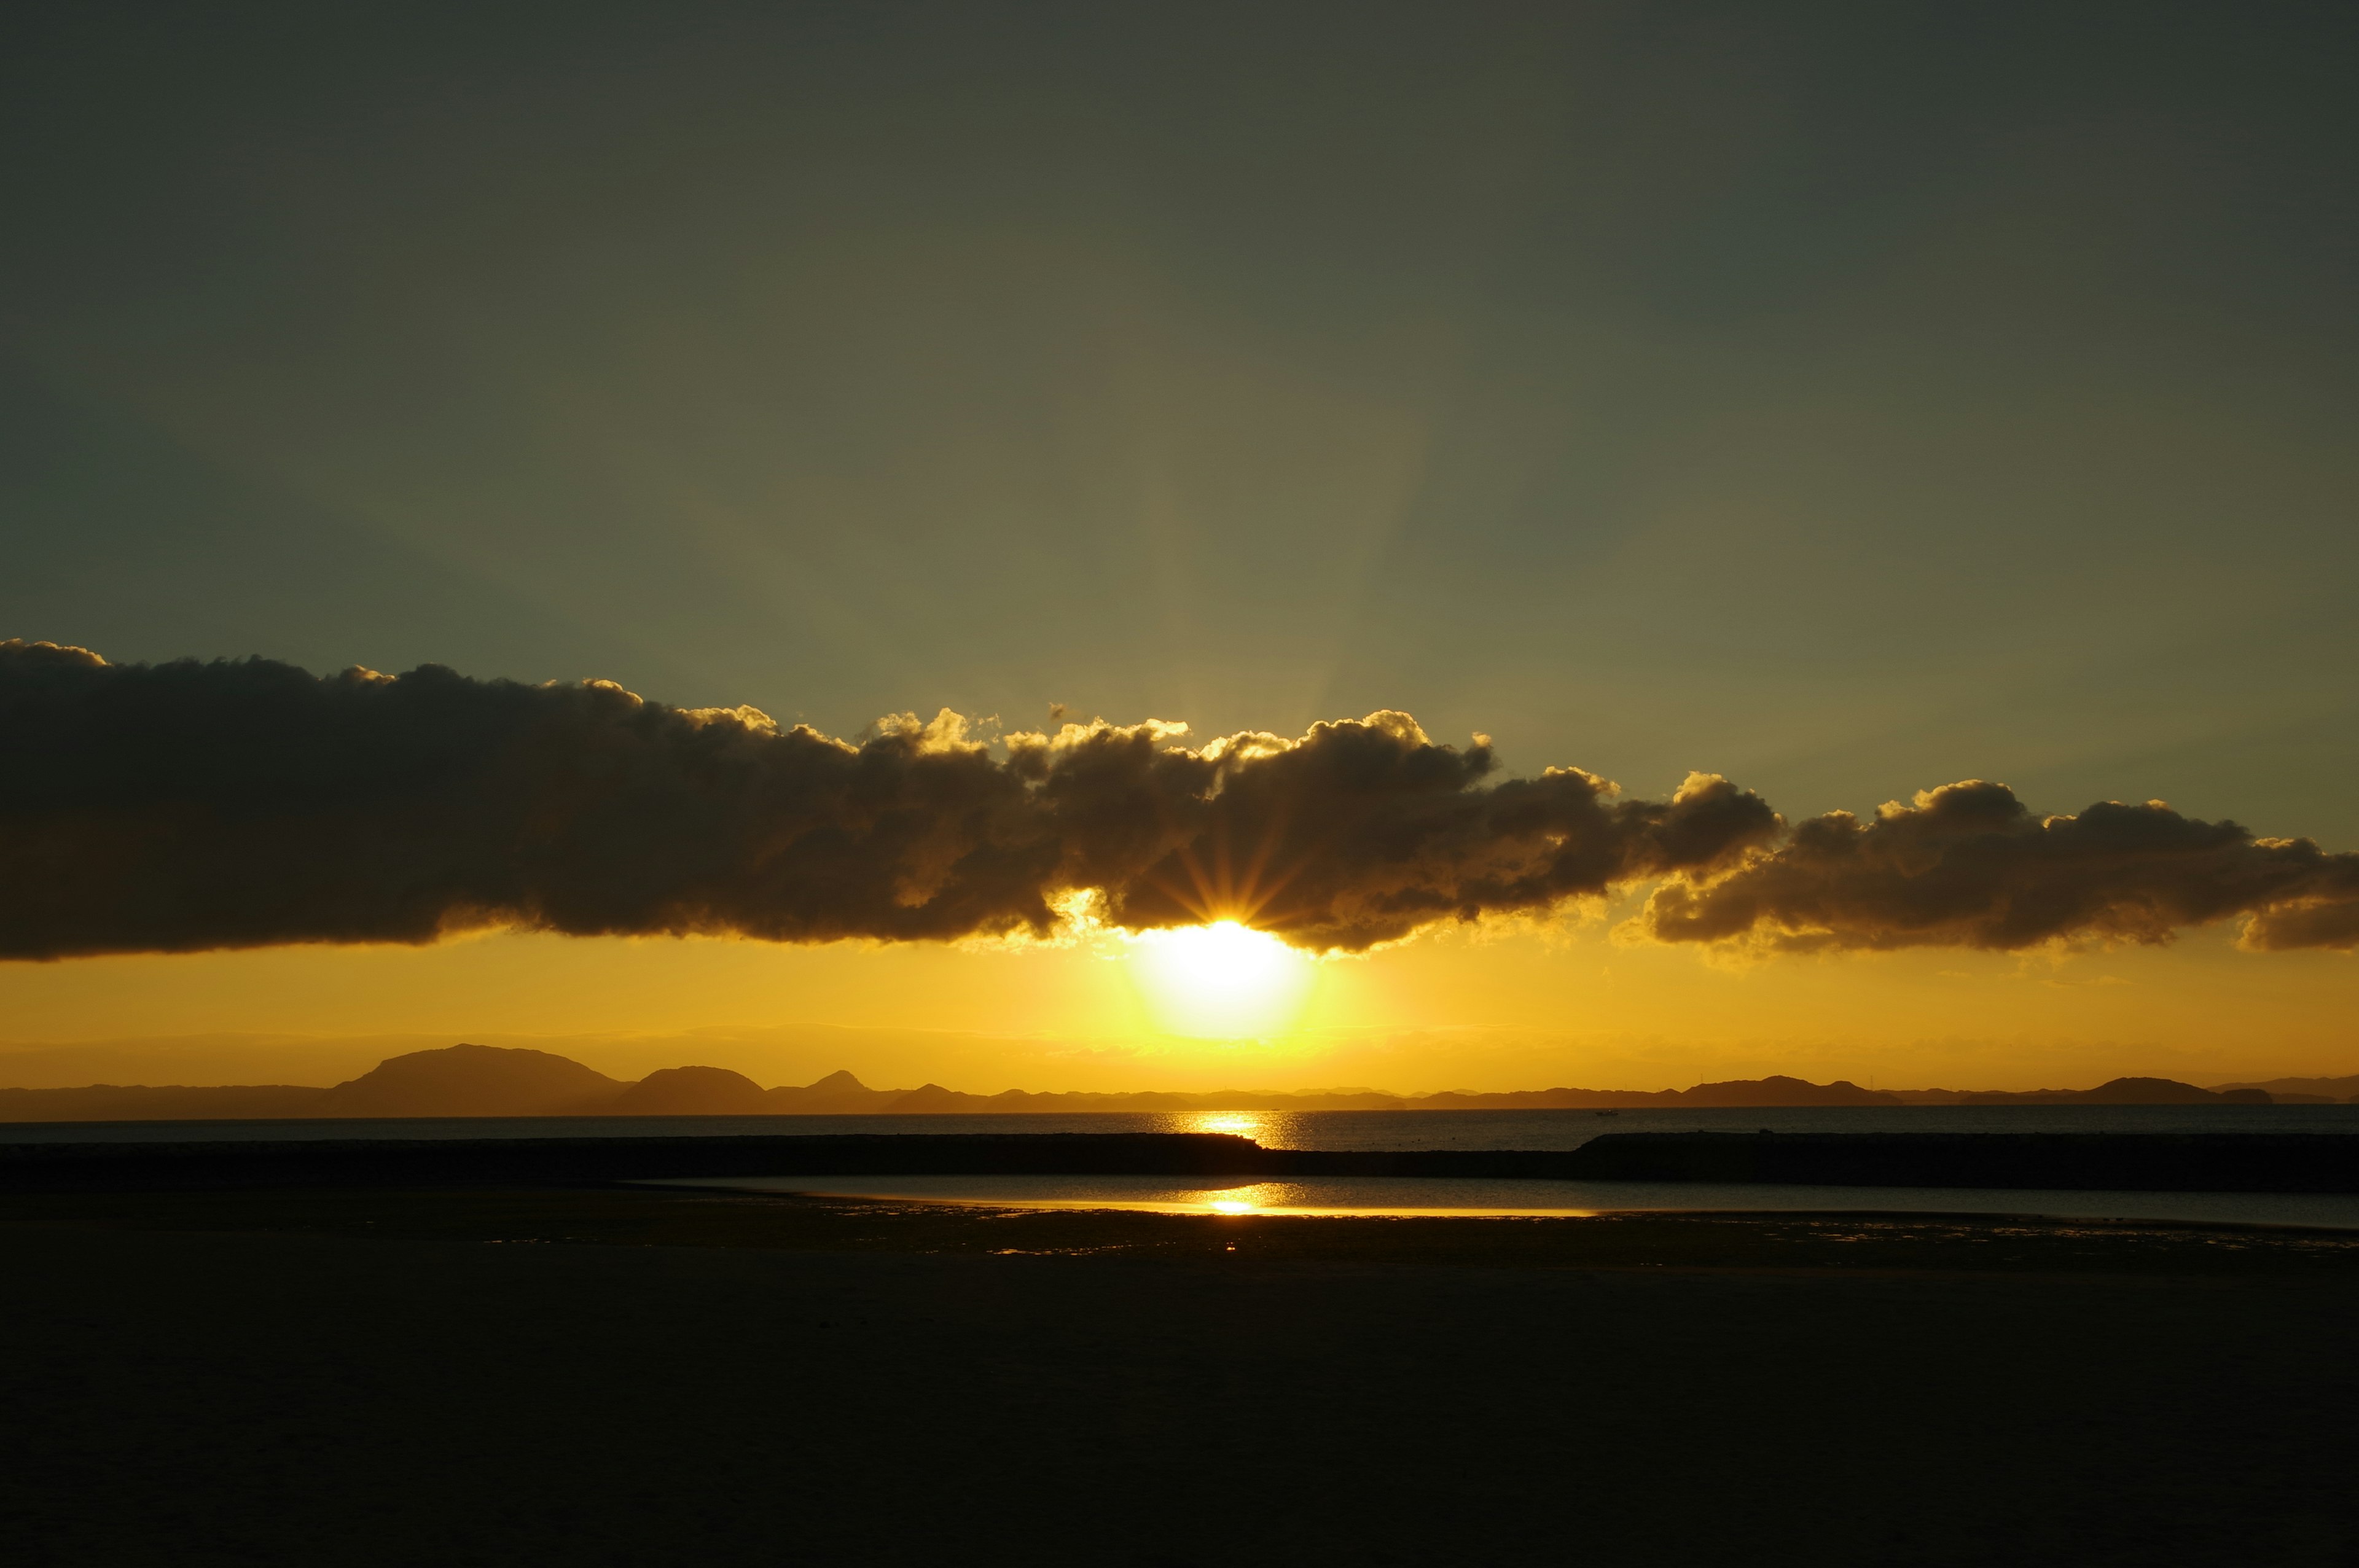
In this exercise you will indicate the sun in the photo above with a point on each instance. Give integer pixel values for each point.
(1223, 982)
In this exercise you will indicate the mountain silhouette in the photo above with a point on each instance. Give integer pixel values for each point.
(1780, 1090)
(838, 1094)
(468, 1080)
(690, 1091)
(160, 1102)
(2303, 1091)
(472, 1080)
(2119, 1091)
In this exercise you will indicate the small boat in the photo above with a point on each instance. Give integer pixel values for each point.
(1609, 1113)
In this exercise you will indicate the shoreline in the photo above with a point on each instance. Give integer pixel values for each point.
(638, 1216)
(2279, 1162)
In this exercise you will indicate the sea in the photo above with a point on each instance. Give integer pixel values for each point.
(1394, 1195)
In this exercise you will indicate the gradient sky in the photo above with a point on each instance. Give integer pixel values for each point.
(1846, 399)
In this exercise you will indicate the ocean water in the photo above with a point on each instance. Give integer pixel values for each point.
(1276, 1129)
(1362, 1130)
(1466, 1197)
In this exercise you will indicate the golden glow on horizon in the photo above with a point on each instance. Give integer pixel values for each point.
(1225, 1122)
(1452, 1010)
(1222, 981)
(1230, 1206)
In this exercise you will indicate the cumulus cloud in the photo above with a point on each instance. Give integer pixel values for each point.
(1968, 866)
(188, 806)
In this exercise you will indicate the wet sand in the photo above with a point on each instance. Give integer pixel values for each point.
(594, 1377)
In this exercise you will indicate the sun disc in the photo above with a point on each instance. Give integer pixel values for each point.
(1223, 982)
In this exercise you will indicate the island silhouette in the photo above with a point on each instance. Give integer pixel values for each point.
(469, 1080)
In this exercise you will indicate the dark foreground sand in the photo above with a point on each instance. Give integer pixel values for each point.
(592, 1378)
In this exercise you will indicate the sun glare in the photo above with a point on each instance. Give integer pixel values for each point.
(1223, 981)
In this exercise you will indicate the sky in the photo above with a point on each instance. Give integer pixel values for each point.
(1846, 400)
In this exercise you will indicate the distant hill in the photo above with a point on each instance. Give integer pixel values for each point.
(472, 1080)
(690, 1091)
(2120, 1091)
(838, 1094)
(163, 1102)
(485, 1080)
(1785, 1091)
(1771, 1091)
(2297, 1091)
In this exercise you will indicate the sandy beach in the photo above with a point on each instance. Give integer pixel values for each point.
(592, 1376)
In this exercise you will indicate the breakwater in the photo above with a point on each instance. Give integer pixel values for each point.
(2275, 1162)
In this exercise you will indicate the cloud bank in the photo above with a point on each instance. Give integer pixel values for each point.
(1968, 866)
(186, 807)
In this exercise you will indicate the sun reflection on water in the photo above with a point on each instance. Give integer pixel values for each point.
(1271, 1129)
(1258, 1198)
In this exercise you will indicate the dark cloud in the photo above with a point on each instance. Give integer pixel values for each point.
(1968, 866)
(190, 805)
(1362, 832)
(187, 805)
